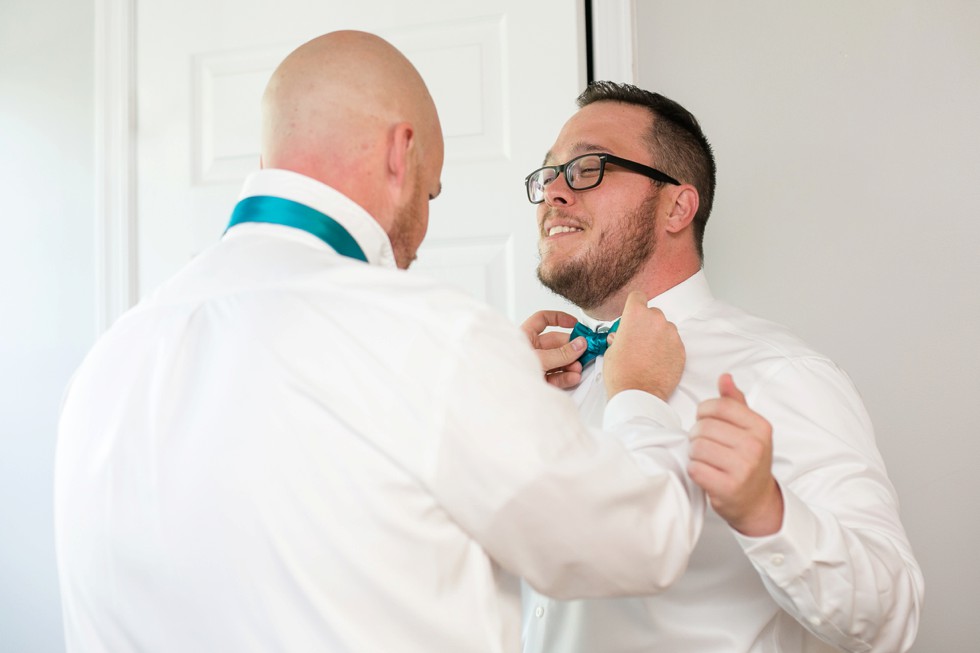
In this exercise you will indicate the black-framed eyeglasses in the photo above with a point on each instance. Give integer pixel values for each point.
(585, 172)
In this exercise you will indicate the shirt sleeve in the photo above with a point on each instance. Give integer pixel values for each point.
(577, 514)
(841, 564)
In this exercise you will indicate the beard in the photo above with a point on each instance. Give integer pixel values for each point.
(408, 229)
(605, 268)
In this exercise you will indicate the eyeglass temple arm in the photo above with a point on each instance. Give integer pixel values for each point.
(652, 173)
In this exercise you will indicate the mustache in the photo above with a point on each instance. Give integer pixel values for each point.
(556, 213)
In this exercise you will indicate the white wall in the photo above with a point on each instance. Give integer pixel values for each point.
(847, 136)
(46, 288)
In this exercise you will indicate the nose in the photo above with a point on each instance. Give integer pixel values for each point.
(558, 192)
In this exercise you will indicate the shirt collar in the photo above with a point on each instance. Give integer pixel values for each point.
(678, 303)
(325, 199)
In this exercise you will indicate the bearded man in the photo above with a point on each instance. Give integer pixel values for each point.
(803, 549)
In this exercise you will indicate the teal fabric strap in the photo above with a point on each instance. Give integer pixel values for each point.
(276, 210)
(597, 342)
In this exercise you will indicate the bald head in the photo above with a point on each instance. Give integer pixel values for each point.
(332, 109)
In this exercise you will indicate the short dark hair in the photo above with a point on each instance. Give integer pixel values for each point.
(676, 140)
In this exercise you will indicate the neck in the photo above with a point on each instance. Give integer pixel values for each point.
(651, 281)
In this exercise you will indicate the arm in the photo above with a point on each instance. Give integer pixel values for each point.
(820, 523)
(576, 515)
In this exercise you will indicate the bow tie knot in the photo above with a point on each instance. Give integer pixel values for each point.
(597, 342)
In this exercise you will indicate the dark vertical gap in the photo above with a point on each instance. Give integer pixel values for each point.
(589, 71)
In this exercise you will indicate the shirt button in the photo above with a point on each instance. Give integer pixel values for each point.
(814, 621)
(539, 612)
(777, 560)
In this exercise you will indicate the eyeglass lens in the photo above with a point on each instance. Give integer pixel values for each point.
(581, 173)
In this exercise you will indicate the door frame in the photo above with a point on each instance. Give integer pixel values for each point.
(115, 160)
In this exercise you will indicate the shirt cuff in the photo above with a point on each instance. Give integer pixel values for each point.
(787, 553)
(630, 404)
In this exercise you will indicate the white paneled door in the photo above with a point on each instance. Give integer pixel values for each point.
(504, 75)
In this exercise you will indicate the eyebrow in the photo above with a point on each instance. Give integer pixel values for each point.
(581, 147)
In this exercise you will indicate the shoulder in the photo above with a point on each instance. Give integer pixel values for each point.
(764, 356)
(728, 329)
(417, 298)
(415, 310)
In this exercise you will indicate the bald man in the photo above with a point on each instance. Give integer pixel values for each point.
(292, 445)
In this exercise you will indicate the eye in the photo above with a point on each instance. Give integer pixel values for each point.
(587, 169)
(547, 176)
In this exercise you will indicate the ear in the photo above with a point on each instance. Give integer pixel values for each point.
(401, 140)
(682, 210)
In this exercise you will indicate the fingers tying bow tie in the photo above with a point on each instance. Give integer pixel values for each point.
(597, 342)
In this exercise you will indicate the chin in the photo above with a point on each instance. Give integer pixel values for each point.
(405, 259)
(551, 261)
(404, 263)
(546, 274)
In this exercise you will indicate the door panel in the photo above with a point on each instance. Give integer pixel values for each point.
(504, 75)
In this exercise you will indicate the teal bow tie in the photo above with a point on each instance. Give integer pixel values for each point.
(597, 342)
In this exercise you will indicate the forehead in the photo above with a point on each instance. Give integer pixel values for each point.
(614, 127)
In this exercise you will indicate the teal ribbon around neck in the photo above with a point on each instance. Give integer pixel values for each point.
(276, 210)
(597, 342)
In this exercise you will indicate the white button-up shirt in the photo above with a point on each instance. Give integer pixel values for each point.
(283, 449)
(840, 572)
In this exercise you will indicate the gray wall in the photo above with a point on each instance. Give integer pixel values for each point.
(46, 288)
(847, 136)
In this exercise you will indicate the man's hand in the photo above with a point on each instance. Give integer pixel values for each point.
(558, 356)
(645, 353)
(731, 460)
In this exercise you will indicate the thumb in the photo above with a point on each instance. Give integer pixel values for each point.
(552, 359)
(633, 310)
(636, 300)
(573, 349)
(728, 389)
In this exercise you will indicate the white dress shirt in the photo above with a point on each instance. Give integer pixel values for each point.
(839, 573)
(283, 449)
